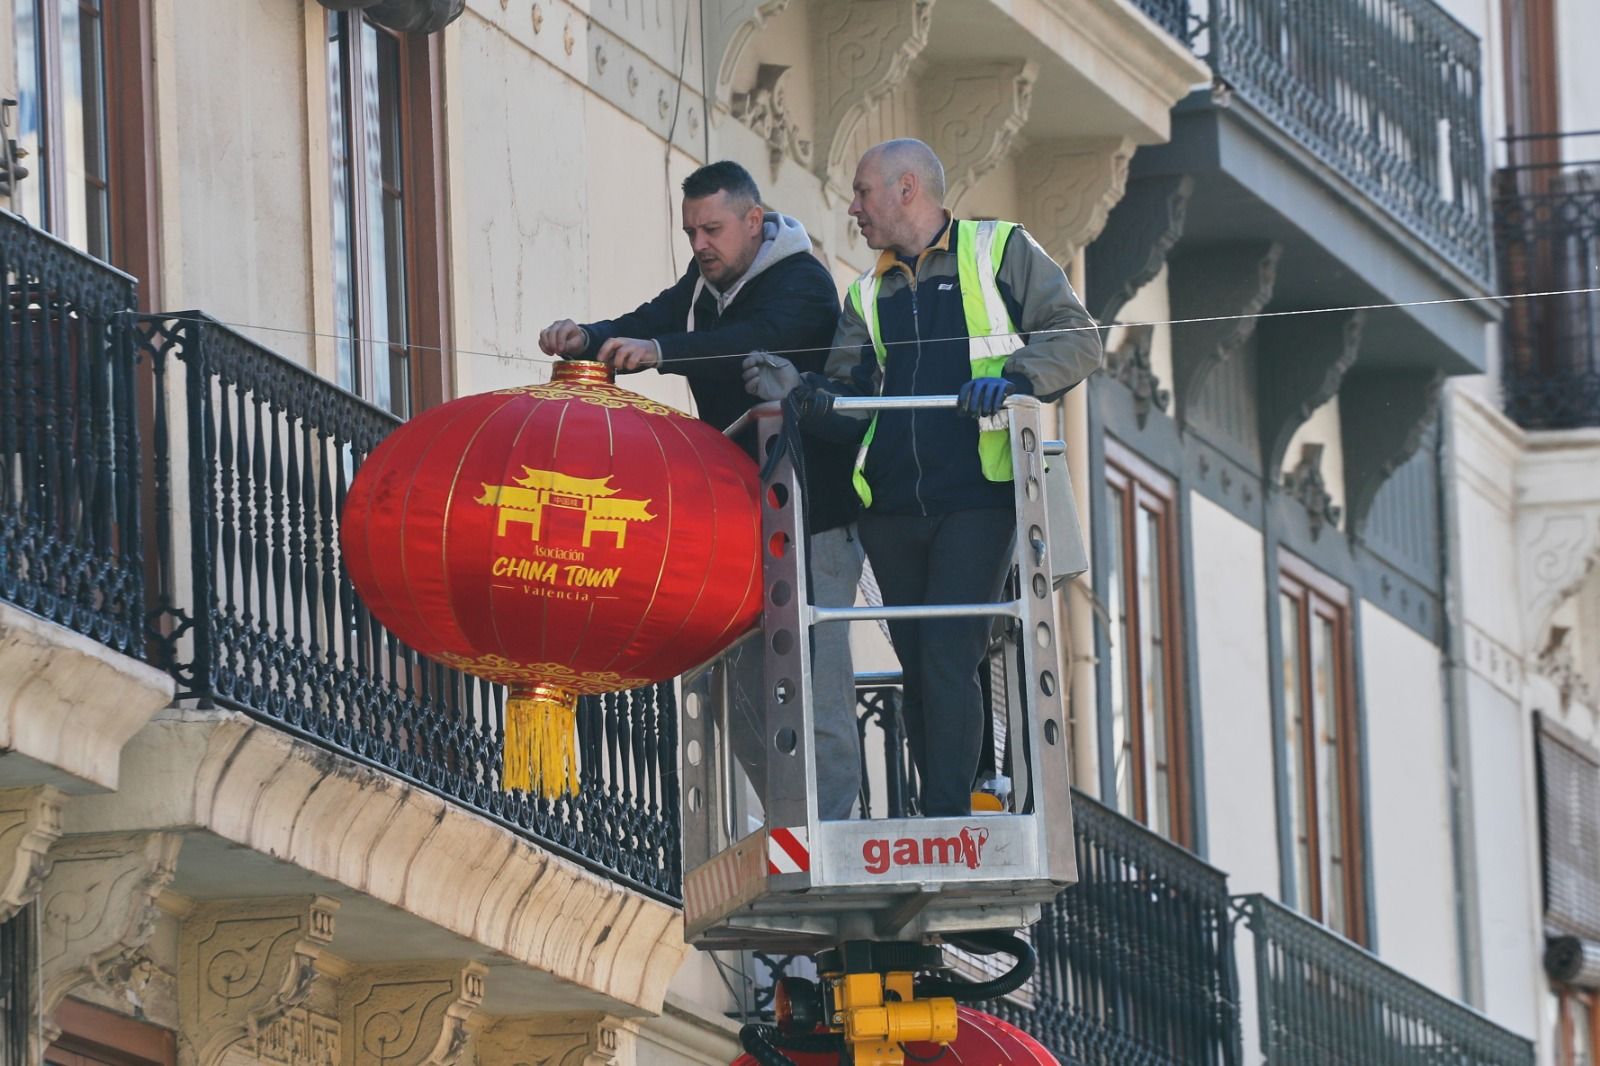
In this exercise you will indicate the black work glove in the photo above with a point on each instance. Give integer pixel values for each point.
(983, 397)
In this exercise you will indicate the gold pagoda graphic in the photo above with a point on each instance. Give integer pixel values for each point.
(526, 500)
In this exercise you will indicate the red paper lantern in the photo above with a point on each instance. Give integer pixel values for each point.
(562, 539)
(981, 1040)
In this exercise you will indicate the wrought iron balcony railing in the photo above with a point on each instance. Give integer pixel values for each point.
(1170, 15)
(1326, 1002)
(1386, 92)
(18, 963)
(257, 613)
(69, 440)
(1135, 961)
(1547, 232)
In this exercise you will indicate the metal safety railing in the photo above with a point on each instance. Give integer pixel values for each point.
(1547, 234)
(70, 544)
(1389, 93)
(1327, 1002)
(253, 458)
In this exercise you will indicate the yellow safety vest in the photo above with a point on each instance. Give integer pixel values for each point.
(992, 337)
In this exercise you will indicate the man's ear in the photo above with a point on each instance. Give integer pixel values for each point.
(756, 215)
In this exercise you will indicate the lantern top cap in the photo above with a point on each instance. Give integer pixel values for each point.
(583, 372)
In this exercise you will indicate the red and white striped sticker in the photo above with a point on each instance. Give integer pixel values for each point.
(788, 851)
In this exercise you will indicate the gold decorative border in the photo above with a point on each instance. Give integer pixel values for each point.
(608, 396)
(509, 671)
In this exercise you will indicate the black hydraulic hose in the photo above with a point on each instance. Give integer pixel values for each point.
(766, 1044)
(977, 991)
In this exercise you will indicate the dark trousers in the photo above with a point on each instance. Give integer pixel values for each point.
(961, 557)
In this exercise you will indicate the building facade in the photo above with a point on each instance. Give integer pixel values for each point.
(1339, 634)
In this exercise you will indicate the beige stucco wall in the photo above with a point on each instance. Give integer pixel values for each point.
(1235, 705)
(1408, 801)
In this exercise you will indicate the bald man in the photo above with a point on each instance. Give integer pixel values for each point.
(951, 307)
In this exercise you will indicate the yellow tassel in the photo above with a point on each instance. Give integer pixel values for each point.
(541, 740)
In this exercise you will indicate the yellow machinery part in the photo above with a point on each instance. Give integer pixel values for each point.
(876, 1025)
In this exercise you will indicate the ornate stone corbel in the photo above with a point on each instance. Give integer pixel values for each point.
(97, 909)
(409, 1014)
(730, 27)
(551, 1040)
(1382, 419)
(1225, 285)
(1129, 363)
(1139, 233)
(406, 16)
(765, 109)
(245, 966)
(1303, 360)
(1557, 663)
(30, 822)
(1067, 189)
(973, 112)
(1305, 484)
(864, 49)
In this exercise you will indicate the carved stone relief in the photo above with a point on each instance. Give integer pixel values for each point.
(1557, 551)
(1305, 483)
(1382, 418)
(245, 966)
(412, 1014)
(1223, 287)
(1129, 363)
(765, 109)
(97, 909)
(730, 27)
(30, 822)
(1303, 360)
(1557, 663)
(1067, 189)
(551, 1040)
(972, 113)
(864, 48)
(1139, 233)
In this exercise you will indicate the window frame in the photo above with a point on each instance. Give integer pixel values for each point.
(1566, 1037)
(127, 112)
(1320, 597)
(1145, 489)
(94, 1036)
(423, 209)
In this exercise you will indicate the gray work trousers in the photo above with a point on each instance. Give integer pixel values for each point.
(835, 572)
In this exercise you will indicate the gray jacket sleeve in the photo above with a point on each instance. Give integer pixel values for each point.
(852, 368)
(1064, 345)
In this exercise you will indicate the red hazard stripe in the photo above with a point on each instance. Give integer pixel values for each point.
(792, 848)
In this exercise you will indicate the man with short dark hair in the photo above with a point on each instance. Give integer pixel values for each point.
(754, 284)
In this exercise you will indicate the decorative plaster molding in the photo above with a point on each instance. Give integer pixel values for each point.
(300, 1038)
(97, 910)
(1139, 232)
(1302, 362)
(864, 49)
(765, 109)
(245, 965)
(258, 787)
(1382, 419)
(1068, 189)
(553, 1040)
(1557, 663)
(409, 1014)
(730, 25)
(1556, 549)
(1304, 483)
(30, 822)
(1129, 363)
(973, 113)
(1227, 285)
